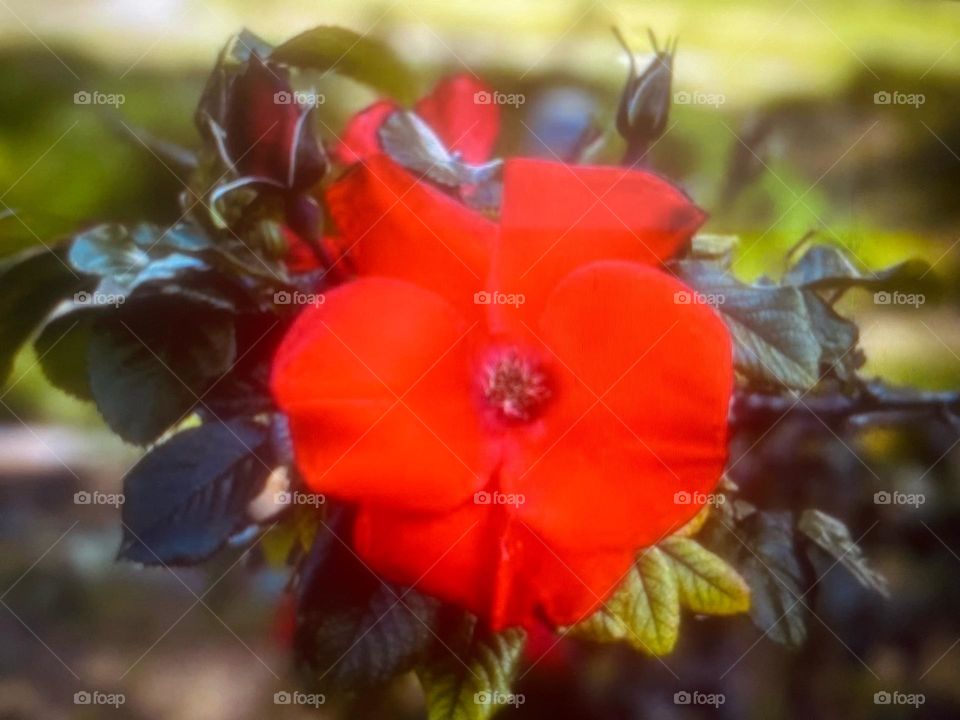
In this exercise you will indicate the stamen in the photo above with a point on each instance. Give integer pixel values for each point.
(515, 385)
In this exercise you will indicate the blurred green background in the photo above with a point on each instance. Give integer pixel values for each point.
(795, 82)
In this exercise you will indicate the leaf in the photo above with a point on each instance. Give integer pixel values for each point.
(61, 348)
(782, 335)
(335, 49)
(828, 267)
(126, 259)
(471, 677)
(186, 497)
(694, 525)
(245, 389)
(150, 362)
(295, 534)
(706, 583)
(644, 610)
(837, 336)
(717, 248)
(353, 629)
(107, 251)
(414, 145)
(770, 566)
(32, 284)
(833, 536)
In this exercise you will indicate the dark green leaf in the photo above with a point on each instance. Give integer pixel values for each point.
(828, 267)
(770, 566)
(150, 360)
(245, 390)
(335, 49)
(469, 677)
(773, 339)
(185, 498)
(31, 286)
(62, 350)
(837, 337)
(833, 536)
(782, 335)
(355, 630)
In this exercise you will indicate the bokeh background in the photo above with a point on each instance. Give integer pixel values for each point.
(783, 136)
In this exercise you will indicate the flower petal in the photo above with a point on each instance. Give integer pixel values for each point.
(643, 385)
(456, 111)
(400, 227)
(360, 140)
(556, 218)
(372, 381)
(481, 559)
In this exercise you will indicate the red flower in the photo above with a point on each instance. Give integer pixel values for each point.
(512, 406)
(455, 110)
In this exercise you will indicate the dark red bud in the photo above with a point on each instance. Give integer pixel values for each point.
(268, 131)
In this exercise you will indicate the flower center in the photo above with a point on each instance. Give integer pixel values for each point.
(515, 385)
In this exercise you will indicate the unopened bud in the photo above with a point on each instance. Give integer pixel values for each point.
(645, 103)
(268, 132)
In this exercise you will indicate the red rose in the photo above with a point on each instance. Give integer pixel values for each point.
(510, 459)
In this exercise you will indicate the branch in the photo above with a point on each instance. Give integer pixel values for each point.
(758, 409)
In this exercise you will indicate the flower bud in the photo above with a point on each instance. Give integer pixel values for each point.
(645, 103)
(268, 132)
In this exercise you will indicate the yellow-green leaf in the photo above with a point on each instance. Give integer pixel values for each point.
(706, 583)
(644, 611)
(298, 532)
(475, 683)
(694, 525)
